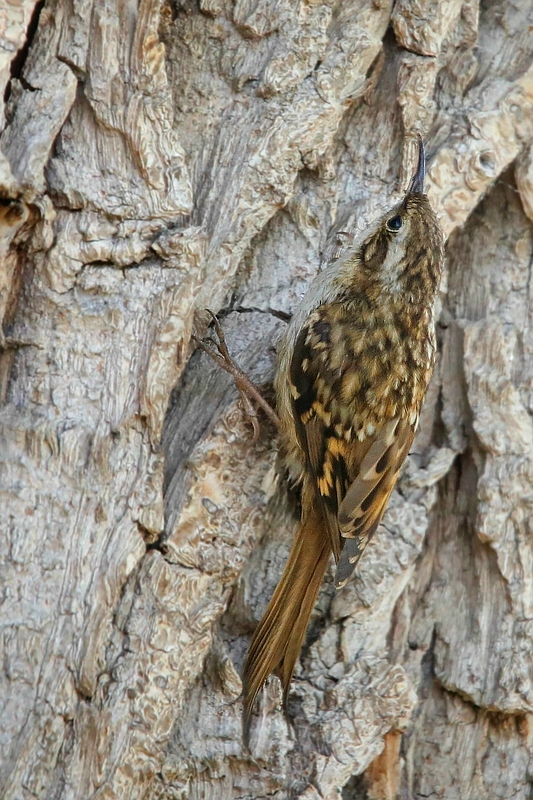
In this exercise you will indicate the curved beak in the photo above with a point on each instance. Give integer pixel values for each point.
(417, 184)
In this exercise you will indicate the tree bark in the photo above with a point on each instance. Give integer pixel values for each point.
(161, 157)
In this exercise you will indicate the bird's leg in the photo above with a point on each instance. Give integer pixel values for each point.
(247, 390)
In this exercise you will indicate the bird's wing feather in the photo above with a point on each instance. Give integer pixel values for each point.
(310, 389)
(365, 501)
(353, 478)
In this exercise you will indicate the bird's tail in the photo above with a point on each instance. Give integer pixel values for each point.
(278, 638)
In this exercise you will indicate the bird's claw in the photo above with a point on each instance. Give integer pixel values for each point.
(248, 392)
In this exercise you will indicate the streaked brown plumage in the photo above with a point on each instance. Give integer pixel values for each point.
(352, 374)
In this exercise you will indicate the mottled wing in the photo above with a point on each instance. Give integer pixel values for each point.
(353, 478)
(366, 499)
(313, 392)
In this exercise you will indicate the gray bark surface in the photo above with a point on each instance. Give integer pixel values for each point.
(158, 158)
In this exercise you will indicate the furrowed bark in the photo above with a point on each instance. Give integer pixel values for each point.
(160, 158)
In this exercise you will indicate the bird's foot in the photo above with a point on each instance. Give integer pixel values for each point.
(249, 393)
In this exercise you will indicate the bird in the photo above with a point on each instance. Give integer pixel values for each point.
(353, 369)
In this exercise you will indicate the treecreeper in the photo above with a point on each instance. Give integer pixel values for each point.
(353, 369)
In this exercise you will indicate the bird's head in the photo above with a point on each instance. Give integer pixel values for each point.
(403, 253)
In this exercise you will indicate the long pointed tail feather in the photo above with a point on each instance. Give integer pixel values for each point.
(279, 636)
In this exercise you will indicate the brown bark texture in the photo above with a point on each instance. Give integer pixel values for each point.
(161, 157)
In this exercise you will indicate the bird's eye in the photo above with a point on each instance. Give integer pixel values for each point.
(394, 223)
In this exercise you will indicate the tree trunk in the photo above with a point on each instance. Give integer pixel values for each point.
(161, 157)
